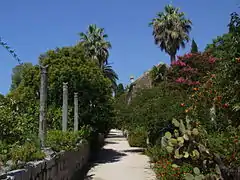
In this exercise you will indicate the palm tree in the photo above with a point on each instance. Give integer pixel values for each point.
(110, 74)
(95, 45)
(97, 48)
(171, 30)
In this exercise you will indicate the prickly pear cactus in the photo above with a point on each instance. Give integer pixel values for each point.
(196, 176)
(184, 142)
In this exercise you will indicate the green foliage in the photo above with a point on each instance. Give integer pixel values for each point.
(148, 109)
(156, 153)
(194, 47)
(120, 90)
(186, 141)
(137, 137)
(171, 30)
(66, 141)
(165, 170)
(158, 73)
(17, 74)
(227, 145)
(96, 48)
(14, 127)
(26, 152)
(95, 45)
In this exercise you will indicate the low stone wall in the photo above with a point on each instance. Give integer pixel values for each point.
(60, 167)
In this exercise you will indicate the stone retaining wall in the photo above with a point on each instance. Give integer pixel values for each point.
(62, 166)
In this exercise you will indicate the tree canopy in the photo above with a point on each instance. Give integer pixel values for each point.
(171, 30)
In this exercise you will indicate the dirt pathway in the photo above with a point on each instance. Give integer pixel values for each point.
(118, 161)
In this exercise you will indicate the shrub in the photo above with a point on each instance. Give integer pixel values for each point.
(153, 109)
(59, 140)
(227, 145)
(156, 153)
(137, 137)
(165, 170)
(26, 152)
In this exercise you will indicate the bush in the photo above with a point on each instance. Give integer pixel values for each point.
(152, 109)
(20, 153)
(227, 145)
(156, 153)
(166, 171)
(59, 140)
(26, 152)
(137, 138)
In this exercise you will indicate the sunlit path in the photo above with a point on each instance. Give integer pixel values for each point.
(118, 161)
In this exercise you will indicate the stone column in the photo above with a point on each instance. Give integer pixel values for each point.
(75, 112)
(65, 107)
(43, 105)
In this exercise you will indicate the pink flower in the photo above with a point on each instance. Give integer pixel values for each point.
(179, 63)
(211, 60)
(180, 80)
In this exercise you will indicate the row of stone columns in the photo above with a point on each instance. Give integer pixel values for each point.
(43, 107)
(65, 109)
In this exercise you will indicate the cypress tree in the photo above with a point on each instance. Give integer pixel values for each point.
(194, 48)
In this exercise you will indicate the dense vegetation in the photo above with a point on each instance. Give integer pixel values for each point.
(191, 115)
(87, 72)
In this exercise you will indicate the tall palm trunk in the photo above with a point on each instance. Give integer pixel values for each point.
(173, 58)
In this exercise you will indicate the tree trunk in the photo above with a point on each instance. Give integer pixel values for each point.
(173, 58)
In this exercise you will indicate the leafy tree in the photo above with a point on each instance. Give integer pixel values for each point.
(120, 90)
(194, 47)
(69, 64)
(226, 83)
(171, 30)
(17, 74)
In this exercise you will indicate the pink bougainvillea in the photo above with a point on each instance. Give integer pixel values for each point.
(189, 69)
(212, 60)
(181, 80)
(179, 63)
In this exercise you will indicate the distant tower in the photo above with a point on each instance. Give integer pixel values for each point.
(131, 79)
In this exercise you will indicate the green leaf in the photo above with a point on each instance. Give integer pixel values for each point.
(185, 136)
(173, 141)
(175, 166)
(196, 170)
(189, 176)
(168, 135)
(195, 131)
(175, 123)
(180, 139)
(217, 169)
(199, 177)
(169, 149)
(186, 155)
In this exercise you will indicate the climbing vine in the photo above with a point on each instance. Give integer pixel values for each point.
(10, 50)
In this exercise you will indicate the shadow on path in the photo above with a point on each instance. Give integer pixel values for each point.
(111, 142)
(108, 156)
(111, 135)
(139, 150)
(103, 157)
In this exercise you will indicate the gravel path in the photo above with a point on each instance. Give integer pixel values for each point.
(118, 161)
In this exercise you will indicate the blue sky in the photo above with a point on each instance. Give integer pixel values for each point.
(33, 27)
